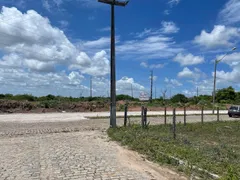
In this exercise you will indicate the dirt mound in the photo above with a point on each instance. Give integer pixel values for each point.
(9, 106)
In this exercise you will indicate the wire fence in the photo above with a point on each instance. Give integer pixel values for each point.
(173, 116)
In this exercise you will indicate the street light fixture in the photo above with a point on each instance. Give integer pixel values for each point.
(113, 3)
(215, 75)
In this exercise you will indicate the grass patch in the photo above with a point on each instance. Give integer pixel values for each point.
(213, 146)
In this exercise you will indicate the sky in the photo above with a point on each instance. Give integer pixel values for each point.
(56, 46)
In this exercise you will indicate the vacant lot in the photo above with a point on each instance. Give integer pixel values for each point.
(213, 146)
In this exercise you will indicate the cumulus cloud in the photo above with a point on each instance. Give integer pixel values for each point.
(21, 81)
(186, 73)
(192, 74)
(188, 59)
(233, 76)
(30, 39)
(230, 14)
(231, 59)
(219, 37)
(97, 66)
(125, 84)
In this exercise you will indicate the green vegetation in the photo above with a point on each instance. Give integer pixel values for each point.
(223, 97)
(214, 146)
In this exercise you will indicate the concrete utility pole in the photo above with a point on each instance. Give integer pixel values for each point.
(113, 3)
(151, 93)
(215, 76)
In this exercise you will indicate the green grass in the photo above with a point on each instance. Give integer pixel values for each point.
(214, 146)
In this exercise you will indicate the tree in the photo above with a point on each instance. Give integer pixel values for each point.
(123, 97)
(226, 95)
(179, 98)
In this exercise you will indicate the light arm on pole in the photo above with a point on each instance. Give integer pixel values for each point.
(111, 2)
(233, 49)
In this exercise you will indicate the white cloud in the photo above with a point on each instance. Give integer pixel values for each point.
(230, 14)
(233, 76)
(144, 64)
(63, 24)
(156, 66)
(219, 37)
(108, 28)
(152, 66)
(231, 59)
(169, 27)
(46, 5)
(125, 84)
(99, 43)
(172, 82)
(21, 81)
(151, 45)
(32, 42)
(173, 2)
(195, 74)
(189, 93)
(166, 12)
(186, 73)
(154, 78)
(188, 59)
(98, 65)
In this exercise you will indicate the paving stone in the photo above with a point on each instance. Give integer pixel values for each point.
(59, 151)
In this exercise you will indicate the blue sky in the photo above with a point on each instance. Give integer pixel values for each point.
(54, 46)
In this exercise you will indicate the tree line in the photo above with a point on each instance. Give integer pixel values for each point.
(224, 96)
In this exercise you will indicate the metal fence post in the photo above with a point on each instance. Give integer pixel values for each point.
(142, 116)
(185, 119)
(174, 123)
(217, 113)
(145, 117)
(165, 115)
(202, 115)
(125, 115)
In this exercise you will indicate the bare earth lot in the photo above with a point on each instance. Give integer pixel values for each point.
(68, 146)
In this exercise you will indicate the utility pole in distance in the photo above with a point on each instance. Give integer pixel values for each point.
(113, 3)
(151, 94)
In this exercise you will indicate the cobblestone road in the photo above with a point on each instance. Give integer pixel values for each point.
(68, 150)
